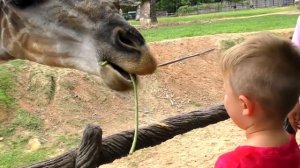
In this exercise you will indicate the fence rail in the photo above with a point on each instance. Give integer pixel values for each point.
(232, 6)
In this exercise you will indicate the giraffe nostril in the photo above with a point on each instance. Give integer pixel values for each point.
(133, 32)
(129, 38)
(125, 39)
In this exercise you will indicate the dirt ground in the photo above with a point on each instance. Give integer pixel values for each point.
(189, 85)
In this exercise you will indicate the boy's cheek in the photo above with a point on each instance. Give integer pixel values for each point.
(226, 102)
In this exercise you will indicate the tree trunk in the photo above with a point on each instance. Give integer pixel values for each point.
(153, 12)
(147, 13)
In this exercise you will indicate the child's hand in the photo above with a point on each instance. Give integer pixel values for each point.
(294, 117)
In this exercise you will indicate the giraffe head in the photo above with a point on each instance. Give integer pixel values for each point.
(78, 34)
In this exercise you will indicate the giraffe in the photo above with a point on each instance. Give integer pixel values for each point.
(77, 34)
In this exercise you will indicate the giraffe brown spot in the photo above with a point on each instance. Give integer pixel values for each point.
(16, 23)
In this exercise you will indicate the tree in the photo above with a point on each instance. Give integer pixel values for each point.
(148, 13)
(153, 12)
(170, 6)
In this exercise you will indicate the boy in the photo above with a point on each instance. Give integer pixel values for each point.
(262, 84)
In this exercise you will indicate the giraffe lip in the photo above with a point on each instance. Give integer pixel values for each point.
(121, 71)
(116, 77)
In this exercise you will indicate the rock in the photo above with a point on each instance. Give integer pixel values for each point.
(33, 144)
(2, 146)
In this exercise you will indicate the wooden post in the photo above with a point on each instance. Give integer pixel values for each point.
(93, 151)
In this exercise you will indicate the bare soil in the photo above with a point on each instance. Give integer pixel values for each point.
(67, 100)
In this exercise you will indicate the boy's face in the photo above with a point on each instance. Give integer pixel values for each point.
(233, 105)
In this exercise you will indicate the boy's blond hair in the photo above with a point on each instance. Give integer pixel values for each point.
(267, 69)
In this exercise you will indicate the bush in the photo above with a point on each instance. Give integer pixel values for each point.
(183, 10)
(186, 10)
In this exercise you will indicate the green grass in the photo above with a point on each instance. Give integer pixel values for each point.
(220, 15)
(70, 141)
(13, 152)
(27, 120)
(13, 149)
(226, 44)
(7, 82)
(269, 22)
(195, 103)
(6, 85)
(17, 156)
(23, 120)
(17, 64)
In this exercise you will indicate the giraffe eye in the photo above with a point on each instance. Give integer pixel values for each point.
(21, 3)
(25, 3)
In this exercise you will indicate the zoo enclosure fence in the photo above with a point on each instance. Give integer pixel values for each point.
(224, 6)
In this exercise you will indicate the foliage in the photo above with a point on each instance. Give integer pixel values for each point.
(15, 152)
(7, 82)
(226, 44)
(17, 156)
(22, 120)
(187, 10)
(222, 26)
(170, 6)
(173, 5)
(13, 149)
(69, 141)
(27, 120)
(184, 10)
(220, 15)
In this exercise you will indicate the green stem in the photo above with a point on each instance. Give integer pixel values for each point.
(104, 63)
(136, 114)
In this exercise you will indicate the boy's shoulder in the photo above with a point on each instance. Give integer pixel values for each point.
(254, 157)
(230, 159)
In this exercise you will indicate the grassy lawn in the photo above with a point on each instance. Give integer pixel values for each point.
(15, 152)
(220, 15)
(223, 26)
(17, 156)
(14, 148)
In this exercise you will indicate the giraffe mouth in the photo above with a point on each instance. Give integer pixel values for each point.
(116, 77)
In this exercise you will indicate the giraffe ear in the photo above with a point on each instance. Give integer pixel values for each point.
(117, 4)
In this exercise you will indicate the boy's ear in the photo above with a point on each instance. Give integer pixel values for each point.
(247, 105)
